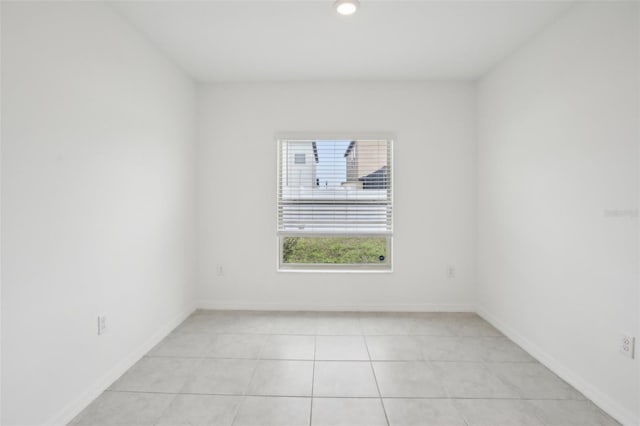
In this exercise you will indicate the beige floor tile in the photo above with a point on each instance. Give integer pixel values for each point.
(338, 323)
(237, 346)
(282, 378)
(221, 377)
(472, 380)
(341, 348)
(273, 411)
(452, 348)
(289, 347)
(572, 413)
(123, 409)
(344, 379)
(183, 345)
(497, 412)
(394, 348)
(200, 410)
(408, 379)
(157, 375)
(534, 381)
(422, 412)
(347, 412)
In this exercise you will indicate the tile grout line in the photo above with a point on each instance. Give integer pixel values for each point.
(384, 410)
(505, 381)
(466, 398)
(538, 416)
(164, 410)
(253, 373)
(188, 378)
(446, 390)
(339, 360)
(232, 332)
(460, 413)
(436, 373)
(361, 333)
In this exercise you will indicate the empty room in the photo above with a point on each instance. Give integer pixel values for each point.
(320, 212)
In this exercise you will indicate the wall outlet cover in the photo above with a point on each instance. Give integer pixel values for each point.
(102, 325)
(627, 345)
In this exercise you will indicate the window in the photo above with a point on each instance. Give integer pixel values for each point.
(335, 211)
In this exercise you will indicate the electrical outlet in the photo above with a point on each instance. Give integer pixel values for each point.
(219, 271)
(451, 272)
(627, 345)
(102, 325)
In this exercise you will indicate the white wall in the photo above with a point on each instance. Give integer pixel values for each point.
(558, 131)
(434, 192)
(97, 203)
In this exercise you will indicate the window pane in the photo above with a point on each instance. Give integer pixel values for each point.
(334, 250)
(343, 187)
(335, 204)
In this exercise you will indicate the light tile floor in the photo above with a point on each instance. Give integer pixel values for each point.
(302, 368)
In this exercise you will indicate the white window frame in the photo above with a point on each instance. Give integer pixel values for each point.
(336, 268)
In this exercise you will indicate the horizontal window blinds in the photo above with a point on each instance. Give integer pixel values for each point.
(341, 187)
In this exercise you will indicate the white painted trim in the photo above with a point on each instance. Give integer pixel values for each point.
(315, 136)
(360, 307)
(596, 396)
(339, 135)
(75, 407)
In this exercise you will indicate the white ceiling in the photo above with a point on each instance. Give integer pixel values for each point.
(307, 40)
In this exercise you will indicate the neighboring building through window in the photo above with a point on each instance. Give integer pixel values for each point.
(296, 172)
(335, 212)
(367, 164)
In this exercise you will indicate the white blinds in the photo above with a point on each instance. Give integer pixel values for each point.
(335, 187)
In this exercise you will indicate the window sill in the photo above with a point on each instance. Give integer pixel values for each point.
(336, 271)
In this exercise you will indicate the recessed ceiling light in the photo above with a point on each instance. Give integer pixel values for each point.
(346, 7)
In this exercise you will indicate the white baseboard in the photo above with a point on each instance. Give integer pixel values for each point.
(361, 307)
(602, 400)
(74, 408)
